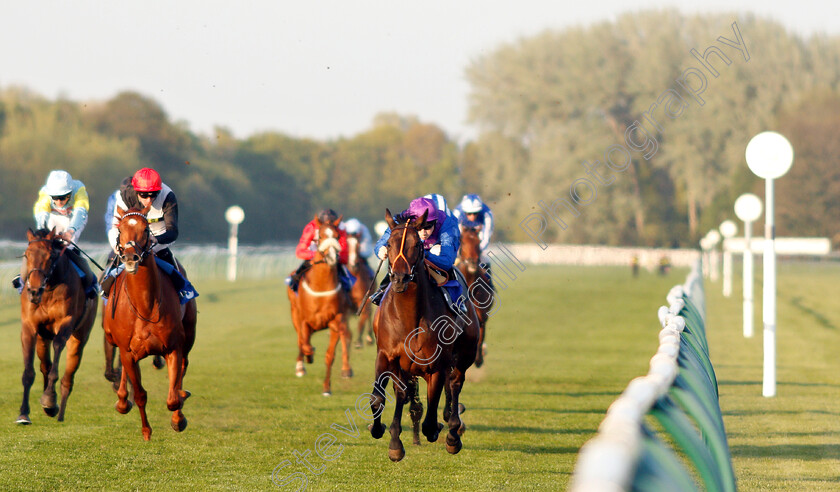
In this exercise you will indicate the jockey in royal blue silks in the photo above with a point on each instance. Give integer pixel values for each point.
(472, 212)
(441, 242)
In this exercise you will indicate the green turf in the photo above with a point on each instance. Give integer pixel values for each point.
(563, 344)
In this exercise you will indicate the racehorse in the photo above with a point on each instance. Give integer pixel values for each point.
(144, 317)
(53, 307)
(480, 295)
(416, 335)
(321, 303)
(358, 294)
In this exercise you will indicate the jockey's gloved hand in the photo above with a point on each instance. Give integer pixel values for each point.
(435, 250)
(382, 253)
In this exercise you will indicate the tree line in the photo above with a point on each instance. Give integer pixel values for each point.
(547, 108)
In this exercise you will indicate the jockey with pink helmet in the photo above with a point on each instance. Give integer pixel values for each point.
(441, 238)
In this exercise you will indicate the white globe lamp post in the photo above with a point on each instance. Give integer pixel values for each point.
(769, 155)
(728, 229)
(748, 208)
(234, 216)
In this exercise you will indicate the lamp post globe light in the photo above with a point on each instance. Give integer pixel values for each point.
(728, 229)
(234, 216)
(769, 155)
(713, 239)
(748, 209)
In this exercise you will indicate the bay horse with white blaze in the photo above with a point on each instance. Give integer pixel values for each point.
(416, 335)
(321, 303)
(480, 294)
(144, 316)
(53, 307)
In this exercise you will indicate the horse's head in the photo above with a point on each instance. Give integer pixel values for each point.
(40, 258)
(405, 250)
(470, 252)
(134, 241)
(328, 245)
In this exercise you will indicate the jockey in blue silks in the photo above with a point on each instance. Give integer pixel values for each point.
(441, 240)
(472, 212)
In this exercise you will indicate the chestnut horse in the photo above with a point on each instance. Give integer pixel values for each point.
(416, 335)
(53, 307)
(321, 303)
(358, 294)
(144, 317)
(480, 293)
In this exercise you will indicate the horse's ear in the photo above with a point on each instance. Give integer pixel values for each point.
(120, 212)
(390, 219)
(316, 218)
(419, 223)
(338, 220)
(51, 234)
(29, 234)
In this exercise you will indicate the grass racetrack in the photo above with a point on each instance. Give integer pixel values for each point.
(563, 343)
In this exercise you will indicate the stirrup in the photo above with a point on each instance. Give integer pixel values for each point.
(377, 296)
(454, 307)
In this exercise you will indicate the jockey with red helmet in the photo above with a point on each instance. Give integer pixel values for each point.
(308, 245)
(146, 189)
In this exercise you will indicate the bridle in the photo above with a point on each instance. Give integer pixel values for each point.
(133, 244)
(412, 267)
(54, 255)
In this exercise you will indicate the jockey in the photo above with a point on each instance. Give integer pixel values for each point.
(472, 212)
(441, 238)
(355, 229)
(308, 245)
(143, 189)
(63, 204)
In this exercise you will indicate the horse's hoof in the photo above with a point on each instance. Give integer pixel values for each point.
(453, 448)
(51, 411)
(124, 409)
(461, 408)
(309, 359)
(369, 340)
(433, 436)
(326, 393)
(147, 434)
(158, 362)
(357, 344)
(484, 349)
(377, 432)
(23, 420)
(347, 373)
(180, 425)
(397, 454)
(300, 371)
(185, 394)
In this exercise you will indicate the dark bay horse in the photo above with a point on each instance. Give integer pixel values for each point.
(320, 303)
(478, 282)
(144, 317)
(416, 335)
(53, 307)
(358, 294)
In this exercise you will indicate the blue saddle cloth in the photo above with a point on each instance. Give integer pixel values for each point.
(186, 291)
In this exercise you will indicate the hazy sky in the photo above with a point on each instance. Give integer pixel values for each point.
(318, 69)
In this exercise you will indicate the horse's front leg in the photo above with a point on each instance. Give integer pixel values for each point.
(111, 373)
(377, 399)
(132, 368)
(75, 348)
(453, 438)
(175, 401)
(345, 335)
(431, 426)
(27, 340)
(415, 408)
(396, 451)
(48, 399)
(123, 405)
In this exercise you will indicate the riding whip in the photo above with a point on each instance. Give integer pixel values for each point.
(373, 281)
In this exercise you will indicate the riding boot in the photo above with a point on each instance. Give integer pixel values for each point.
(16, 283)
(178, 280)
(294, 279)
(89, 281)
(377, 296)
